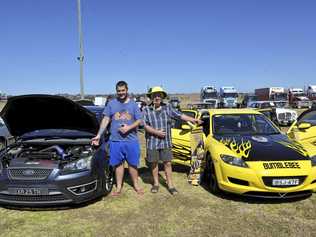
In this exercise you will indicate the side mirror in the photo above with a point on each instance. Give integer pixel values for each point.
(304, 126)
(186, 127)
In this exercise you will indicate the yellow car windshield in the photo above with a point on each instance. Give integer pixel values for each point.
(242, 124)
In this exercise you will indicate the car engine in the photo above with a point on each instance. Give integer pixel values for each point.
(45, 156)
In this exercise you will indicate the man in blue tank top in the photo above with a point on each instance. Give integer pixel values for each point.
(125, 117)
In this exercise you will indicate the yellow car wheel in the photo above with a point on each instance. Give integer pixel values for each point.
(209, 175)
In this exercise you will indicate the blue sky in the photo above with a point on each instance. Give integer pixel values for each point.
(179, 44)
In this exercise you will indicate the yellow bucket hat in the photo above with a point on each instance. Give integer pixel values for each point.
(156, 89)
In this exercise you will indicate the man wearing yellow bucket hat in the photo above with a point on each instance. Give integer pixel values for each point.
(157, 121)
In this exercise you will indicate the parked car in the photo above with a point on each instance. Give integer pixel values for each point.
(4, 132)
(52, 161)
(247, 154)
(202, 105)
(301, 102)
(303, 130)
(284, 116)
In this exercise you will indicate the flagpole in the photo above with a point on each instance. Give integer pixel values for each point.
(81, 57)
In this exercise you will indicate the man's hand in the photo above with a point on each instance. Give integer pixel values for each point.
(95, 141)
(160, 133)
(124, 129)
(197, 121)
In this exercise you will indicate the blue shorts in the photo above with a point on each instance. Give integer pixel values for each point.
(121, 151)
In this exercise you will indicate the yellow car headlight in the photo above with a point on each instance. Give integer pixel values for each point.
(234, 161)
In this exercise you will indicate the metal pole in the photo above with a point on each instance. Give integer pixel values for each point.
(81, 57)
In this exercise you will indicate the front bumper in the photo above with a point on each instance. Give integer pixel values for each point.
(61, 189)
(250, 181)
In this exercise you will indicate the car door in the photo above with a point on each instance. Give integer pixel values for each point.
(181, 137)
(299, 133)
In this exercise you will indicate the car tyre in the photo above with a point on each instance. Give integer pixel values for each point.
(108, 179)
(209, 175)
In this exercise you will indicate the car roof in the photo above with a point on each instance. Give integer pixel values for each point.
(233, 111)
(225, 111)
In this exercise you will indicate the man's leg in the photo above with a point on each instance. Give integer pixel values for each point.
(134, 175)
(116, 160)
(132, 150)
(155, 173)
(166, 156)
(119, 174)
(168, 172)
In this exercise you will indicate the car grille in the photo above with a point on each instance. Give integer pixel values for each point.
(285, 116)
(42, 198)
(268, 180)
(29, 174)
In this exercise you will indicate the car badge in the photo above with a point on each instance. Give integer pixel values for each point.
(32, 163)
(259, 139)
(282, 195)
(28, 172)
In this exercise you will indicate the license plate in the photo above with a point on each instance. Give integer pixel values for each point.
(285, 182)
(28, 191)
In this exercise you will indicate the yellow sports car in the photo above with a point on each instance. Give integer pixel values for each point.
(303, 130)
(245, 153)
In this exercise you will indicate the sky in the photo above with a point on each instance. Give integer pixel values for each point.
(181, 45)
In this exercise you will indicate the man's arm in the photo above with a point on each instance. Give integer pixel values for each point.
(190, 119)
(156, 132)
(126, 128)
(104, 123)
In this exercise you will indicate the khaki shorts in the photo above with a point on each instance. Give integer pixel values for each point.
(159, 155)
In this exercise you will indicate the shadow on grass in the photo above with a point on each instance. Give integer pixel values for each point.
(254, 200)
(58, 207)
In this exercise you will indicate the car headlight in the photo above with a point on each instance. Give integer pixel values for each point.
(234, 161)
(79, 165)
(313, 159)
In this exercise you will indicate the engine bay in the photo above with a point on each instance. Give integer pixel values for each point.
(45, 156)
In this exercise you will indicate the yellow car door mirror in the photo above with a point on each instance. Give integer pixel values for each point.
(186, 127)
(303, 126)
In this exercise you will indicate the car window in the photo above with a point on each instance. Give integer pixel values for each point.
(308, 117)
(242, 124)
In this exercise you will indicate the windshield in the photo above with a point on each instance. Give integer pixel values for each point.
(252, 124)
(227, 95)
(308, 117)
(299, 94)
(210, 95)
(280, 96)
(280, 104)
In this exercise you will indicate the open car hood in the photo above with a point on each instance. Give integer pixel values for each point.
(28, 113)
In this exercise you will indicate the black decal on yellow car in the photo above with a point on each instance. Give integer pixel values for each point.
(281, 165)
(242, 149)
(295, 146)
(181, 151)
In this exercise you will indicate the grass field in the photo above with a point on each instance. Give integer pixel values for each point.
(193, 212)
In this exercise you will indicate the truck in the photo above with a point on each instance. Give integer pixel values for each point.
(209, 94)
(298, 99)
(277, 94)
(311, 92)
(228, 97)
